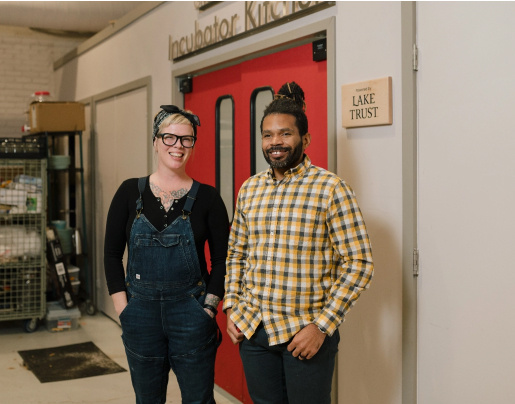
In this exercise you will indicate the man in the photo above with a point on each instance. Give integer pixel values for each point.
(298, 259)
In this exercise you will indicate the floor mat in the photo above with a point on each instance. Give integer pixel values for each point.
(69, 362)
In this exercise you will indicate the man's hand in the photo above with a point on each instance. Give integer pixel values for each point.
(306, 342)
(234, 333)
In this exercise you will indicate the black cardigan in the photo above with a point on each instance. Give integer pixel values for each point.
(209, 222)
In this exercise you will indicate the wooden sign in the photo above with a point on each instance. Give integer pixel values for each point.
(367, 103)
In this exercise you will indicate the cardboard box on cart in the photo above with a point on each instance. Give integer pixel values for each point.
(56, 117)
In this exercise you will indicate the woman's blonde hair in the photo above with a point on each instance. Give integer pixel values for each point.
(176, 119)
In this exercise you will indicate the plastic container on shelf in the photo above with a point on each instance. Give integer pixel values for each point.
(65, 237)
(37, 96)
(74, 273)
(61, 319)
(23, 148)
(59, 162)
(59, 224)
(40, 96)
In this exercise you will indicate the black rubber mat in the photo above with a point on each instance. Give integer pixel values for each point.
(69, 362)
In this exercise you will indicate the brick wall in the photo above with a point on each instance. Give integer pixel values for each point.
(26, 65)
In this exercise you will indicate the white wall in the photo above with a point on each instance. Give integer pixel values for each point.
(26, 59)
(370, 160)
(135, 52)
(467, 194)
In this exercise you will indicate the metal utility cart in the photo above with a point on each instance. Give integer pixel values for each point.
(22, 231)
(65, 184)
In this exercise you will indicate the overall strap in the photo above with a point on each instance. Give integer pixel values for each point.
(190, 199)
(141, 187)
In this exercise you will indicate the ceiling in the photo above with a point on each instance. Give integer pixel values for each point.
(64, 17)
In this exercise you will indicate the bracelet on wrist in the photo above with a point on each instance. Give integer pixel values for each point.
(212, 308)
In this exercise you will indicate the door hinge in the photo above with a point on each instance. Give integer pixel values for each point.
(415, 261)
(415, 57)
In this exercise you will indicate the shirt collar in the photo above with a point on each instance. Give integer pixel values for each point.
(298, 171)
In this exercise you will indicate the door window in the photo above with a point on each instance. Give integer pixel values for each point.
(259, 100)
(225, 151)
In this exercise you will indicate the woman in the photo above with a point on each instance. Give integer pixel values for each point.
(167, 300)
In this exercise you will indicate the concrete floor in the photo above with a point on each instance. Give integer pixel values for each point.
(20, 386)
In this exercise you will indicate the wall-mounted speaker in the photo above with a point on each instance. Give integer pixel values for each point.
(320, 50)
(186, 86)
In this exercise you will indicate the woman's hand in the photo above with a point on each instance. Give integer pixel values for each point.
(120, 301)
(211, 313)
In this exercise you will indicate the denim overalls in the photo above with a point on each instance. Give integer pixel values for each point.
(164, 324)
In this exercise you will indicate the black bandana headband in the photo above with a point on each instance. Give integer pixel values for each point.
(166, 111)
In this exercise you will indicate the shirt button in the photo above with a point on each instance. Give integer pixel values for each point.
(199, 283)
(160, 207)
(166, 225)
(166, 216)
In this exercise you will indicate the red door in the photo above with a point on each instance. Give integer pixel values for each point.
(238, 83)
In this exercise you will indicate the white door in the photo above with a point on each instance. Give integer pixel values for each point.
(121, 145)
(466, 199)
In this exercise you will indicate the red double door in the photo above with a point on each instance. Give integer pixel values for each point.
(240, 84)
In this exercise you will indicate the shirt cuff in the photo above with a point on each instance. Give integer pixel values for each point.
(325, 325)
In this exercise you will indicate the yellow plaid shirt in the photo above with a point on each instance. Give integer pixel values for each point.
(298, 253)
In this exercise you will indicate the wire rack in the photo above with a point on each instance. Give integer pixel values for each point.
(22, 239)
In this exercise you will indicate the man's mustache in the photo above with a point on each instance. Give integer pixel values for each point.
(278, 148)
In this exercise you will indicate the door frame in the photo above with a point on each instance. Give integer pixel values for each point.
(410, 202)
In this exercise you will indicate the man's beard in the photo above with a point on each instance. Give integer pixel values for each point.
(291, 160)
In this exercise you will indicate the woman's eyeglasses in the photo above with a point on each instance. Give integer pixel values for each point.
(170, 140)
